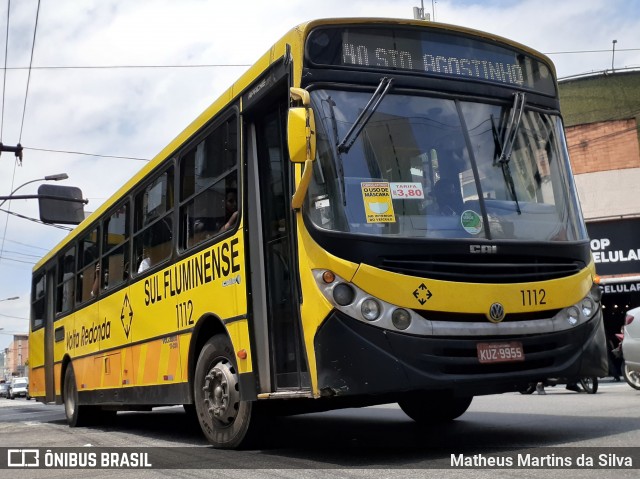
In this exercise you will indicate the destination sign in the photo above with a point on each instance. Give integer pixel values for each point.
(428, 52)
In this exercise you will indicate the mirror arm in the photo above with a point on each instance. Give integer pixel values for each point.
(301, 190)
(44, 197)
(300, 94)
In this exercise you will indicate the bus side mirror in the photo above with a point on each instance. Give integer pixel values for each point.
(301, 139)
(61, 204)
(301, 128)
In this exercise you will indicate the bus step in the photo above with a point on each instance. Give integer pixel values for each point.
(286, 395)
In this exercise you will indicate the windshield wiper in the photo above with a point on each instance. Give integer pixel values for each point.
(334, 128)
(505, 144)
(365, 115)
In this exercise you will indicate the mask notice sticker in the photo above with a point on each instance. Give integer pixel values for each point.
(377, 202)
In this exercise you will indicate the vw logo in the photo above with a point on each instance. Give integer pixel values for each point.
(496, 313)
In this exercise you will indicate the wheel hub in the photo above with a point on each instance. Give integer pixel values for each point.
(221, 395)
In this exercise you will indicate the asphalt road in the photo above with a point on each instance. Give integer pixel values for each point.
(370, 442)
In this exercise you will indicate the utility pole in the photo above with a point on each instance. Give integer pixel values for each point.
(17, 150)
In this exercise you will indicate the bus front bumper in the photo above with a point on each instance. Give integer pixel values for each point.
(357, 359)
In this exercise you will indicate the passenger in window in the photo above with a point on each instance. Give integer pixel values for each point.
(147, 242)
(96, 281)
(231, 210)
(448, 197)
(67, 286)
(145, 263)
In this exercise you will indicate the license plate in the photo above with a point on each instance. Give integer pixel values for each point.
(500, 352)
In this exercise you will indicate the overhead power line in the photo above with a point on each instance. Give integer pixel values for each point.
(27, 245)
(236, 65)
(37, 256)
(26, 94)
(16, 260)
(15, 317)
(30, 219)
(123, 67)
(577, 52)
(67, 152)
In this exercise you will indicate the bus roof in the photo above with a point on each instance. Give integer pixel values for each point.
(295, 39)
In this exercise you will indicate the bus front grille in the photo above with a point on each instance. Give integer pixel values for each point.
(482, 269)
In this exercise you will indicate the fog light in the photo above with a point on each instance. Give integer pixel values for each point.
(587, 307)
(573, 315)
(370, 309)
(401, 318)
(343, 294)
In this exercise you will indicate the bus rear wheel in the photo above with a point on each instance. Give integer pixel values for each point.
(223, 416)
(77, 415)
(434, 408)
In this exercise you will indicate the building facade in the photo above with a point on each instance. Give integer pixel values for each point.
(601, 115)
(16, 357)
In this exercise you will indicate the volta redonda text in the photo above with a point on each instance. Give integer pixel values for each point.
(210, 264)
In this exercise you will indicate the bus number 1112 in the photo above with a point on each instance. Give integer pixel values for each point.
(184, 314)
(533, 297)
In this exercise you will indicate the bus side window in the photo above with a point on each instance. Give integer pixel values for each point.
(88, 256)
(208, 186)
(66, 273)
(38, 302)
(153, 230)
(115, 248)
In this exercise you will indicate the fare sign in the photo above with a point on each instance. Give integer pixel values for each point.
(500, 352)
(406, 191)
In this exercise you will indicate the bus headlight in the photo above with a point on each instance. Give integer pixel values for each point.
(343, 294)
(401, 318)
(588, 307)
(370, 309)
(349, 299)
(573, 315)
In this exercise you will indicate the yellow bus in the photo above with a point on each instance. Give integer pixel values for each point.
(378, 211)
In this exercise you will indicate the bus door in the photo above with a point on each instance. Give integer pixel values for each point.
(275, 318)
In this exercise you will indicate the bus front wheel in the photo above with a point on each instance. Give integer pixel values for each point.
(223, 417)
(433, 408)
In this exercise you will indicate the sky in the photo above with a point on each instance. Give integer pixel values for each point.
(73, 103)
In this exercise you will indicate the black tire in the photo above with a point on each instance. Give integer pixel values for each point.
(632, 377)
(190, 410)
(77, 415)
(223, 417)
(590, 385)
(529, 389)
(434, 408)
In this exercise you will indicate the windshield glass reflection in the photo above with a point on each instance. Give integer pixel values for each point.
(429, 168)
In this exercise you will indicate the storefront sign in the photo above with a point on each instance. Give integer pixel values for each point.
(616, 246)
(620, 288)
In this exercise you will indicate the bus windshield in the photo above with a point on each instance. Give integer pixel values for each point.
(436, 168)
